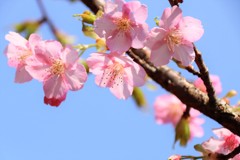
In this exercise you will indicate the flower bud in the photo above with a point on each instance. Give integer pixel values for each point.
(182, 131)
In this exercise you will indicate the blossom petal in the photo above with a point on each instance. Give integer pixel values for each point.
(13, 53)
(185, 54)
(33, 40)
(119, 42)
(55, 87)
(170, 17)
(39, 71)
(191, 29)
(104, 27)
(139, 35)
(122, 90)
(22, 75)
(69, 56)
(97, 61)
(76, 77)
(212, 145)
(161, 55)
(136, 11)
(16, 39)
(135, 75)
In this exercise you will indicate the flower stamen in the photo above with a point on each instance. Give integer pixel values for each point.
(57, 67)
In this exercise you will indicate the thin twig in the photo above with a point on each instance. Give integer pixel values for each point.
(205, 76)
(46, 18)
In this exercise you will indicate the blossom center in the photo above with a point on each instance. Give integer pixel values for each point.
(25, 55)
(117, 69)
(174, 38)
(123, 24)
(230, 143)
(57, 67)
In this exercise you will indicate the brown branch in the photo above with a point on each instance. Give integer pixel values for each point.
(173, 2)
(205, 76)
(190, 69)
(173, 82)
(94, 5)
(46, 18)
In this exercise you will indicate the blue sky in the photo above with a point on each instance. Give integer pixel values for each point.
(93, 124)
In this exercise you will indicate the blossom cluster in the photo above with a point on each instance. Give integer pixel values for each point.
(225, 143)
(56, 67)
(123, 26)
(169, 109)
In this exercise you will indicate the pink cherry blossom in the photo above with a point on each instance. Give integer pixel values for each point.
(169, 109)
(174, 37)
(117, 72)
(123, 25)
(215, 82)
(175, 157)
(225, 144)
(59, 70)
(18, 52)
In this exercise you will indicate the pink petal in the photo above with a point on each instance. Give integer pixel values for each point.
(168, 109)
(122, 90)
(22, 75)
(212, 145)
(54, 87)
(136, 11)
(170, 18)
(13, 53)
(216, 83)
(185, 54)
(135, 75)
(76, 77)
(195, 127)
(110, 7)
(222, 132)
(33, 40)
(139, 34)
(156, 35)
(39, 71)
(69, 56)
(191, 29)
(16, 39)
(119, 42)
(97, 61)
(104, 26)
(161, 55)
(49, 49)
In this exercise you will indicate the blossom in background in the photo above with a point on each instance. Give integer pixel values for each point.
(169, 109)
(173, 38)
(123, 25)
(18, 52)
(225, 144)
(175, 157)
(215, 82)
(116, 71)
(59, 70)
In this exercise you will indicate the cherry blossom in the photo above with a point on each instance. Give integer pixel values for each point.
(173, 38)
(175, 157)
(123, 25)
(169, 109)
(225, 144)
(59, 70)
(117, 72)
(18, 52)
(215, 82)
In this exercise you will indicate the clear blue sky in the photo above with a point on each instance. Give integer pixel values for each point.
(92, 124)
